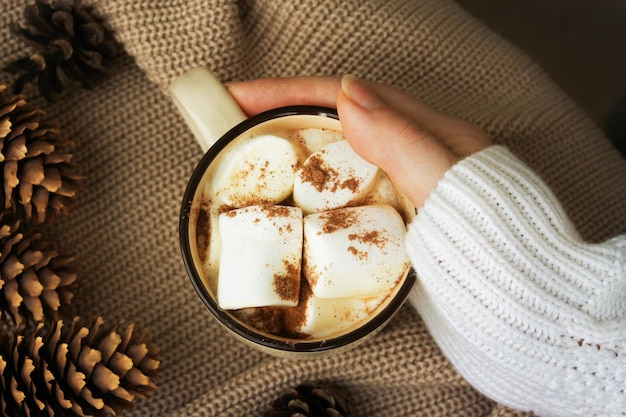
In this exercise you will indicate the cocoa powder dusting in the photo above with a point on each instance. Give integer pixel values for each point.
(372, 237)
(286, 286)
(295, 317)
(337, 219)
(358, 254)
(351, 183)
(223, 208)
(281, 321)
(275, 211)
(315, 172)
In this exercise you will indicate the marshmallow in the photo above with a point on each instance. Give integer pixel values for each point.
(261, 257)
(331, 178)
(326, 317)
(258, 171)
(384, 192)
(354, 252)
(315, 139)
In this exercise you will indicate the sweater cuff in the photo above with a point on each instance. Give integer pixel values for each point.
(508, 288)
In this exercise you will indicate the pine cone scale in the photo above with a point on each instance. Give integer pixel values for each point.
(40, 199)
(11, 268)
(105, 379)
(10, 105)
(36, 148)
(88, 359)
(120, 363)
(48, 278)
(10, 177)
(149, 366)
(63, 20)
(12, 297)
(92, 33)
(97, 403)
(52, 300)
(5, 129)
(74, 379)
(34, 306)
(30, 255)
(52, 180)
(16, 150)
(75, 336)
(30, 285)
(33, 171)
(123, 396)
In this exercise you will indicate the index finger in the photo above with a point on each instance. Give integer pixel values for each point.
(259, 95)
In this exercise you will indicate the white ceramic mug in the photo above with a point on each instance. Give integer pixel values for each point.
(217, 122)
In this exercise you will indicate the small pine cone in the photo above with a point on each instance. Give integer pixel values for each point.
(35, 282)
(72, 47)
(311, 400)
(39, 178)
(71, 370)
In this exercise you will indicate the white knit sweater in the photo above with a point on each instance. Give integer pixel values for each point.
(531, 315)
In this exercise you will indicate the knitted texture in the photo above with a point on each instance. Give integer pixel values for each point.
(515, 298)
(138, 155)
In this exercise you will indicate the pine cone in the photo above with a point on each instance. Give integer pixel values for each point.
(35, 282)
(311, 400)
(72, 47)
(70, 370)
(38, 175)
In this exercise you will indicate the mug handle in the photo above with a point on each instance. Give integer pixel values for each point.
(206, 105)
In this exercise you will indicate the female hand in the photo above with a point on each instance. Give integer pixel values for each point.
(414, 144)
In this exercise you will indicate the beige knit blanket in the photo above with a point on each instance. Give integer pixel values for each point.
(137, 155)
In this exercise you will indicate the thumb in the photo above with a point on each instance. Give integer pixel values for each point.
(413, 159)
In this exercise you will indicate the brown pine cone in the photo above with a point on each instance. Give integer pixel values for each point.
(311, 400)
(39, 178)
(71, 370)
(35, 282)
(72, 45)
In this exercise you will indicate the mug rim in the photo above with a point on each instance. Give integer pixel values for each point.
(267, 340)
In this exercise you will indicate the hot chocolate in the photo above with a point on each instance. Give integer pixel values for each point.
(295, 235)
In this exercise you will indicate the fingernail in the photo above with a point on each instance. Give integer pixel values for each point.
(359, 92)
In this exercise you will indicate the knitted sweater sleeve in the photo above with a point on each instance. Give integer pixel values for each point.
(530, 314)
